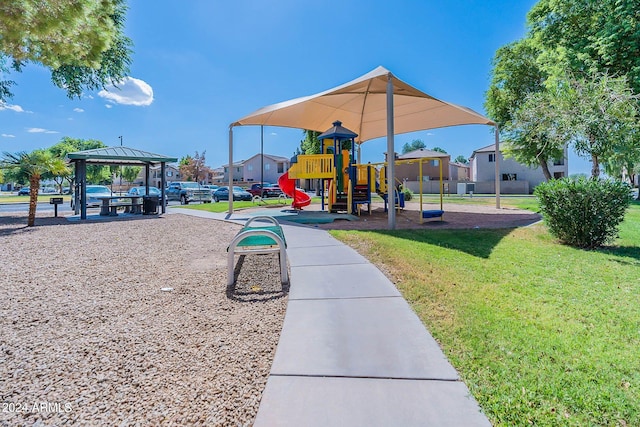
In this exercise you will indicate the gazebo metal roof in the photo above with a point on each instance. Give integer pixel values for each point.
(119, 156)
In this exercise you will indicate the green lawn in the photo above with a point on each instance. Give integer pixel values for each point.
(25, 199)
(543, 334)
(511, 201)
(223, 206)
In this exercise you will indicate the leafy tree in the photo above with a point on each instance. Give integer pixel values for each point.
(587, 36)
(96, 174)
(532, 136)
(600, 118)
(516, 74)
(194, 168)
(310, 144)
(461, 159)
(82, 42)
(29, 167)
(439, 150)
(416, 144)
(130, 173)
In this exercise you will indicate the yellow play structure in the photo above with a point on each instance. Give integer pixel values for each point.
(346, 185)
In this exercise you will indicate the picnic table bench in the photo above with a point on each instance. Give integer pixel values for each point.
(110, 205)
(258, 239)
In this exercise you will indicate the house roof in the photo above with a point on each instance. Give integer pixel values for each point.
(422, 153)
(120, 156)
(488, 149)
(269, 156)
(460, 165)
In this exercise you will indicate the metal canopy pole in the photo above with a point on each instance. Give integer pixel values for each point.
(497, 162)
(230, 169)
(162, 185)
(391, 193)
(83, 188)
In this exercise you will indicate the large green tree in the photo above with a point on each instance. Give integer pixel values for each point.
(416, 144)
(82, 42)
(96, 174)
(30, 167)
(587, 36)
(532, 136)
(600, 118)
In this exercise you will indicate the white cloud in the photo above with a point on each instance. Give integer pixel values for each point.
(7, 135)
(78, 110)
(108, 105)
(273, 134)
(16, 108)
(129, 91)
(40, 130)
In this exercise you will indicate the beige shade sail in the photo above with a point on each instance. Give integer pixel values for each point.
(361, 106)
(374, 105)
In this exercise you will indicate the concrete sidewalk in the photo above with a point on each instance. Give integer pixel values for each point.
(352, 352)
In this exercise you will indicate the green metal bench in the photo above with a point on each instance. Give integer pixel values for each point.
(258, 239)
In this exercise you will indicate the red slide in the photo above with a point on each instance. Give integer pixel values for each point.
(288, 187)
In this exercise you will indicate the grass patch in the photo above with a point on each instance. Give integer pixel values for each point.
(528, 202)
(542, 333)
(25, 199)
(223, 206)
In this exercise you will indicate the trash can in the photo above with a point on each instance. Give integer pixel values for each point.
(150, 205)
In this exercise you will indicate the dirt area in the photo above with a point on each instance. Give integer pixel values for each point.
(129, 322)
(455, 216)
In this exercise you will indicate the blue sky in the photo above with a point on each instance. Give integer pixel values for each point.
(200, 65)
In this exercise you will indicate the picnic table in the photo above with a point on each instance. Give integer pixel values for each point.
(110, 204)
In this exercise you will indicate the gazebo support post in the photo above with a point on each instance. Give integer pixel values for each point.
(163, 185)
(81, 170)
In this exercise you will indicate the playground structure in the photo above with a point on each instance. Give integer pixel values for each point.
(346, 185)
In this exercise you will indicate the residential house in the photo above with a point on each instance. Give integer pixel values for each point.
(430, 168)
(172, 173)
(269, 168)
(515, 177)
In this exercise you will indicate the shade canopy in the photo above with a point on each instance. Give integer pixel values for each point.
(361, 106)
(120, 156)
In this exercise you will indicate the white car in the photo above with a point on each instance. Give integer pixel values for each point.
(93, 192)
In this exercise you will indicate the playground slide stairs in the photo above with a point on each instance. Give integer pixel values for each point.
(288, 187)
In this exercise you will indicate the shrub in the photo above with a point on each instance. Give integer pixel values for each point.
(583, 212)
(408, 194)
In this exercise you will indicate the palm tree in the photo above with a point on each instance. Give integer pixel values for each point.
(30, 166)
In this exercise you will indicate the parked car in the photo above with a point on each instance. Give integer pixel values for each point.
(94, 192)
(257, 188)
(142, 191)
(187, 192)
(24, 191)
(211, 187)
(222, 193)
(272, 190)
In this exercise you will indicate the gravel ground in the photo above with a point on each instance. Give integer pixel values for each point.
(90, 338)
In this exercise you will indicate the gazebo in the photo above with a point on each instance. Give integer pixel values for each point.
(114, 156)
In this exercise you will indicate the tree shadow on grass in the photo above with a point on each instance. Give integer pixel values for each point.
(622, 252)
(475, 242)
